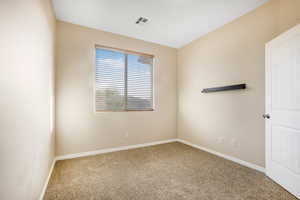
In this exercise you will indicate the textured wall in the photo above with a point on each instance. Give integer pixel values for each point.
(78, 127)
(230, 122)
(26, 85)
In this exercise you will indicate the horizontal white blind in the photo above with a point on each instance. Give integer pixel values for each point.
(110, 76)
(139, 83)
(123, 81)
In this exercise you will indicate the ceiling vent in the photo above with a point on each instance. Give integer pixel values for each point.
(142, 20)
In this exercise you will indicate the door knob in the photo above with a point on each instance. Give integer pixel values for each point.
(266, 116)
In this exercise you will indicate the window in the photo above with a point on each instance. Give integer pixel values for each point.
(123, 80)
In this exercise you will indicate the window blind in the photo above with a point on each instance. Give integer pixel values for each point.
(123, 81)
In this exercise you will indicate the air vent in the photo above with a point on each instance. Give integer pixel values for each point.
(142, 20)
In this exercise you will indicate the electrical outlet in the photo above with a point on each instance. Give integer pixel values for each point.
(126, 134)
(220, 140)
(235, 143)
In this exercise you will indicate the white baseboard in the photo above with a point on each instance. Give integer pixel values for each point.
(236, 160)
(101, 151)
(47, 180)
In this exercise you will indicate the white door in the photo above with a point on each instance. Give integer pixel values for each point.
(283, 110)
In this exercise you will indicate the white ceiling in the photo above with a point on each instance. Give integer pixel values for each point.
(171, 22)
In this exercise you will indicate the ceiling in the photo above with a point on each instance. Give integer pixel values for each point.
(172, 23)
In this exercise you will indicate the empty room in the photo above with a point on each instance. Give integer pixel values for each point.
(150, 100)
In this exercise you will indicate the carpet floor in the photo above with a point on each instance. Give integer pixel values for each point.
(171, 171)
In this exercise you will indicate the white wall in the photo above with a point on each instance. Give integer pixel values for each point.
(26, 85)
(78, 127)
(230, 122)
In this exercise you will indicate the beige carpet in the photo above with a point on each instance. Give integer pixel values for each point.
(164, 172)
